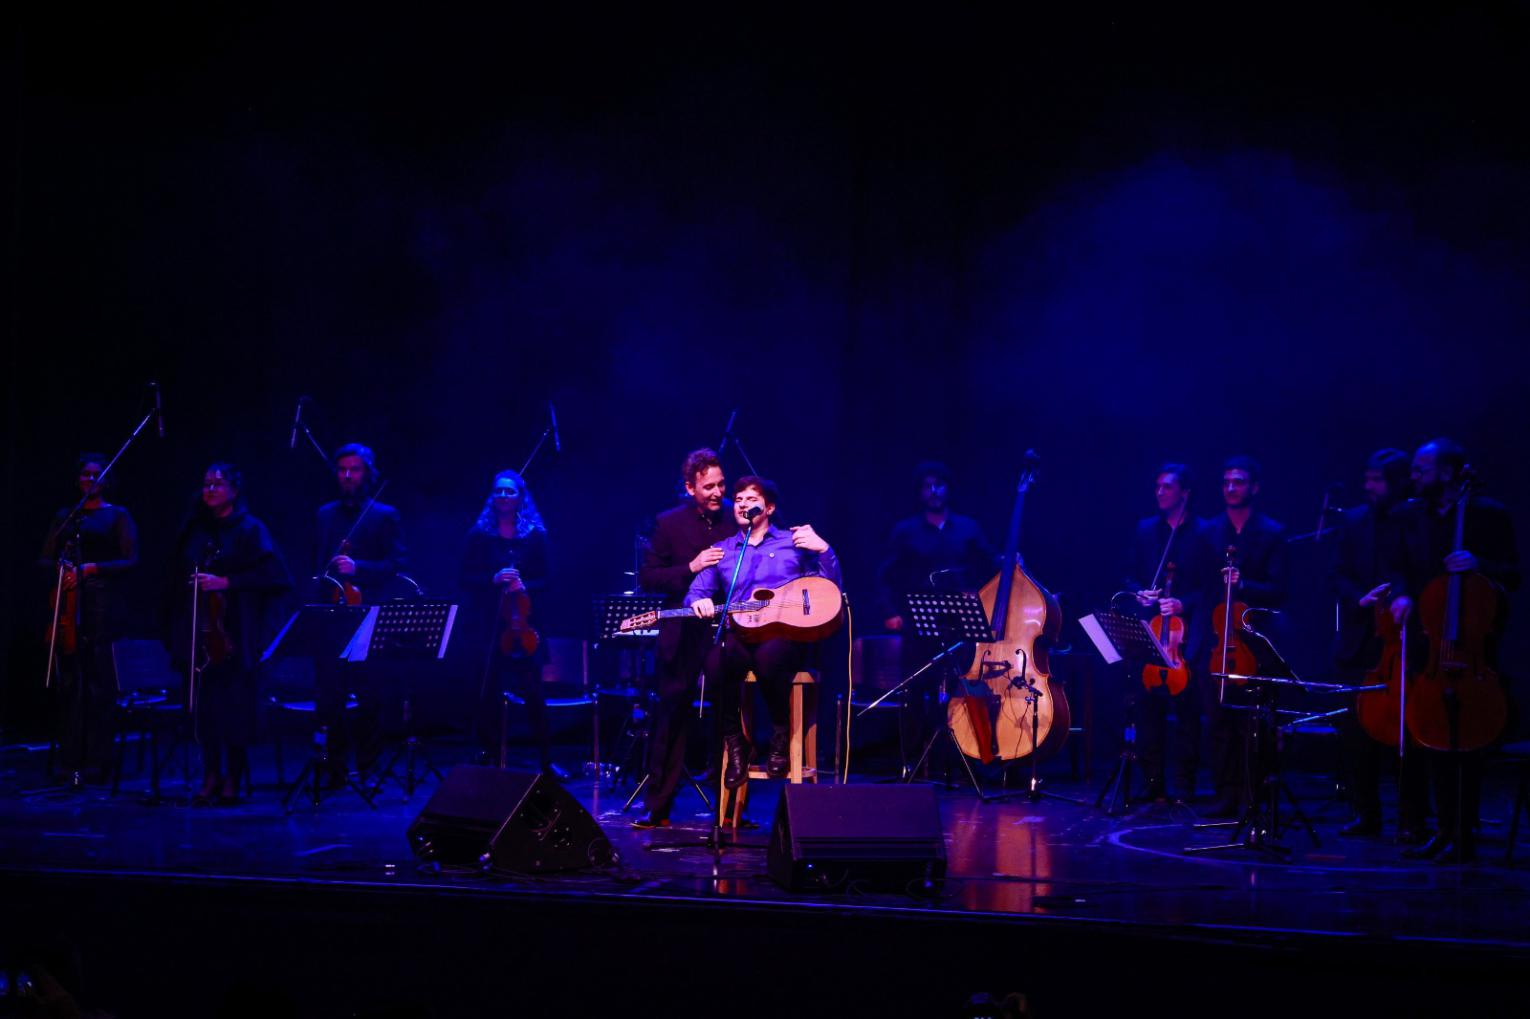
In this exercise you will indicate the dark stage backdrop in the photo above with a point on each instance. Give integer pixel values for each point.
(1118, 240)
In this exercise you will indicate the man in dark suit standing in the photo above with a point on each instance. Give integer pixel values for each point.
(1364, 578)
(1258, 579)
(682, 546)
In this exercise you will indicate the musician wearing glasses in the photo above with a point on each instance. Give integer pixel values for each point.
(359, 553)
(771, 557)
(85, 559)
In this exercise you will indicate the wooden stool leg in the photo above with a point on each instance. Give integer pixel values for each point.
(810, 731)
(795, 753)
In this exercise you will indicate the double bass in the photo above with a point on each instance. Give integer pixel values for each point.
(993, 716)
(1457, 702)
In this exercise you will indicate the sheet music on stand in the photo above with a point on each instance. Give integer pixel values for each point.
(316, 631)
(949, 615)
(609, 611)
(403, 630)
(1119, 637)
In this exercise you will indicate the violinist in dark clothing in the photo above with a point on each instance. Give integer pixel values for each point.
(1258, 577)
(506, 552)
(360, 546)
(239, 576)
(1364, 575)
(97, 547)
(1168, 562)
(1427, 551)
(682, 546)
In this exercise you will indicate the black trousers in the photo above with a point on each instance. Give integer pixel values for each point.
(87, 704)
(1365, 760)
(336, 681)
(774, 664)
(225, 717)
(1154, 709)
(1457, 781)
(676, 678)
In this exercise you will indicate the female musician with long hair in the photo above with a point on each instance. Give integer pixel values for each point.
(505, 565)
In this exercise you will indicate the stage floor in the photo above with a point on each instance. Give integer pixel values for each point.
(1014, 862)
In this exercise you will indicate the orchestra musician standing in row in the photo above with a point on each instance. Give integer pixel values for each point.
(505, 554)
(238, 576)
(1364, 577)
(1439, 474)
(359, 550)
(95, 549)
(1169, 563)
(1257, 579)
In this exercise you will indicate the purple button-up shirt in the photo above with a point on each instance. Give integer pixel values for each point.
(771, 563)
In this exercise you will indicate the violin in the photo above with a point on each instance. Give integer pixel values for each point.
(214, 645)
(63, 632)
(1457, 702)
(1169, 631)
(1232, 655)
(1005, 695)
(517, 638)
(1380, 712)
(345, 591)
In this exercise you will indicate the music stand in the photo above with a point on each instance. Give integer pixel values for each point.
(1260, 827)
(318, 632)
(404, 631)
(637, 731)
(1118, 637)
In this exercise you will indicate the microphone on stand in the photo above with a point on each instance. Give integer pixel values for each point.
(752, 512)
(159, 409)
(297, 422)
(552, 415)
(722, 446)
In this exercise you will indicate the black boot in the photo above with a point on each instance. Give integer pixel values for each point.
(779, 763)
(1362, 826)
(1428, 850)
(736, 769)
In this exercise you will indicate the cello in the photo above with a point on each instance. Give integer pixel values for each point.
(1169, 631)
(1457, 702)
(1380, 712)
(993, 716)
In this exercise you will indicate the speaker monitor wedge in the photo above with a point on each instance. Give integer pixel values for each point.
(884, 837)
(514, 820)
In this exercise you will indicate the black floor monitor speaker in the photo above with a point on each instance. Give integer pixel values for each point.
(829, 837)
(519, 821)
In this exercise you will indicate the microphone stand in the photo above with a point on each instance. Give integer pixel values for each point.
(717, 640)
(302, 426)
(728, 434)
(541, 440)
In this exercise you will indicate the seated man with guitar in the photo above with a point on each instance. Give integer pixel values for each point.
(771, 557)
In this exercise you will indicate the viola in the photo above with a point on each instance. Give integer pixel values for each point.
(1457, 702)
(517, 638)
(993, 714)
(1231, 654)
(1169, 631)
(1380, 712)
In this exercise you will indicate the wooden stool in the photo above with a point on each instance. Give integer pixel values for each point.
(802, 751)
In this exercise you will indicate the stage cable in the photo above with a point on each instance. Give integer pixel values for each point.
(849, 685)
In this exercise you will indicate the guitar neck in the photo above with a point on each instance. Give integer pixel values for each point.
(738, 606)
